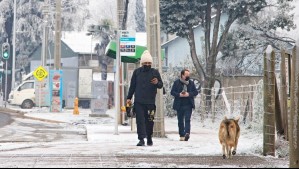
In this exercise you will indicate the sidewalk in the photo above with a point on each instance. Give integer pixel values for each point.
(203, 141)
(100, 131)
(101, 142)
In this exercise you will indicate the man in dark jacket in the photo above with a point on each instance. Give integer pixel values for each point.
(184, 91)
(144, 84)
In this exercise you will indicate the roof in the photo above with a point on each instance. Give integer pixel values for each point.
(79, 42)
(66, 51)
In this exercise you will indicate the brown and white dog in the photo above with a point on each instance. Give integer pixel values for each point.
(229, 133)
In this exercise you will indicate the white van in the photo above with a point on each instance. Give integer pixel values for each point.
(23, 95)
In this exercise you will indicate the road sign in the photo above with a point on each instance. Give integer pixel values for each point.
(127, 43)
(40, 73)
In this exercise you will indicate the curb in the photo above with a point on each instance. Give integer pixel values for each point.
(21, 114)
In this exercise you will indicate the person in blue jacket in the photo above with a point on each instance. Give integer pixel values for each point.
(144, 84)
(184, 92)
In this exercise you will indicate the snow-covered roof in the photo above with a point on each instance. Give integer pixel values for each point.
(79, 42)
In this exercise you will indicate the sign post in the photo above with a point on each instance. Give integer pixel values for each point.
(40, 74)
(56, 90)
(127, 43)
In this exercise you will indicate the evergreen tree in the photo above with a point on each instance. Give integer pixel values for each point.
(140, 17)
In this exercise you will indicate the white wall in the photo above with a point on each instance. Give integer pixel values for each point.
(66, 62)
(178, 50)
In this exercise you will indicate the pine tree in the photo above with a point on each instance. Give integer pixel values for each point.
(140, 17)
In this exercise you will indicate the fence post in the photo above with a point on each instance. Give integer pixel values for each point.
(294, 116)
(213, 104)
(269, 103)
(203, 108)
(243, 105)
(283, 93)
(233, 98)
(251, 103)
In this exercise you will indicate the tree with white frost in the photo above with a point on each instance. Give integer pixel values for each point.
(140, 16)
(29, 23)
(180, 17)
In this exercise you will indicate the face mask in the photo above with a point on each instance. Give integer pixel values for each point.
(147, 67)
(187, 78)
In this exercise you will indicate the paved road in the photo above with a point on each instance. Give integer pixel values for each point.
(101, 161)
(15, 127)
(5, 119)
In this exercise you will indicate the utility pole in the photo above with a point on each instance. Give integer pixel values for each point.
(117, 91)
(154, 47)
(57, 56)
(13, 71)
(45, 33)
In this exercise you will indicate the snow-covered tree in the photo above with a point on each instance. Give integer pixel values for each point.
(30, 18)
(244, 46)
(29, 23)
(182, 16)
(140, 17)
(104, 34)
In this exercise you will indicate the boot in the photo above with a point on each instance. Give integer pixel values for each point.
(187, 136)
(150, 141)
(141, 143)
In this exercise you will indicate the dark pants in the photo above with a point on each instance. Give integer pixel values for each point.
(184, 119)
(144, 120)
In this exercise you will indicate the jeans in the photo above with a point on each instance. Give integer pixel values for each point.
(145, 121)
(184, 120)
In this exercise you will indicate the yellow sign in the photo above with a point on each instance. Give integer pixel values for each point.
(40, 73)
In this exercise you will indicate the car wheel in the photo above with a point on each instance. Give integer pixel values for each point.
(27, 104)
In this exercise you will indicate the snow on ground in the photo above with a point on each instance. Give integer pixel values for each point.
(101, 138)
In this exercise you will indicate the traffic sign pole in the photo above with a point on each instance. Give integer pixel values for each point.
(5, 98)
(40, 74)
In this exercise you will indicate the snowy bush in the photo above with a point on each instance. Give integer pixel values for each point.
(169, 76)
(258, 109)
(168, 79)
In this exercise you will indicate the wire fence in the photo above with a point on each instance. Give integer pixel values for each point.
(229, 101)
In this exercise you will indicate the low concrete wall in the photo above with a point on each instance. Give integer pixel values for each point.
(234, 81)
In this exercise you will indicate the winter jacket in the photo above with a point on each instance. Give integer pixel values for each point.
(145, 92)
(177, 88)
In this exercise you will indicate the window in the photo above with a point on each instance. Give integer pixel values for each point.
(29, 85)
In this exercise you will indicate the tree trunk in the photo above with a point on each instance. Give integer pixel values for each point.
(194, 57)
(125, 18)
(211, 61)
(208, 29)
(8, 30)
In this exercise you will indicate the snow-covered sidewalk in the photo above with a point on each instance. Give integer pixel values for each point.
(101, 140)
(203, 141)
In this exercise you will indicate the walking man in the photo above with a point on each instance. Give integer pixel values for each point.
(144, 84)
(184, 92)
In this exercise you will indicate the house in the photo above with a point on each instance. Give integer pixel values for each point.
(177, 50)
(83, 45)
(69, 58)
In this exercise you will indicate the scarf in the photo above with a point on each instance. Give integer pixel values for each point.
(186, 83)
